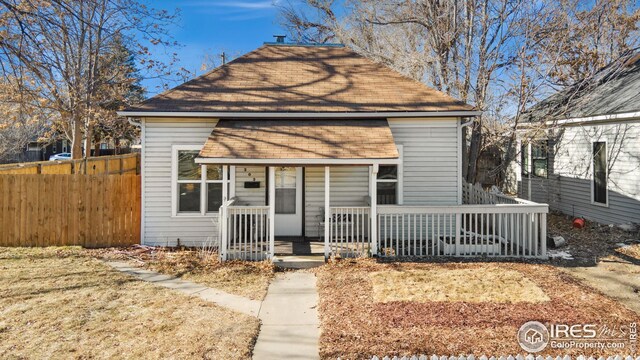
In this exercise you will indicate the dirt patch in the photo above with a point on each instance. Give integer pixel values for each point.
(62, 303)
(473, 285)
(591, 243)
(244, 278)
(354, 326)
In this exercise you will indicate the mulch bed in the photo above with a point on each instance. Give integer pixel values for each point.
(355, 327)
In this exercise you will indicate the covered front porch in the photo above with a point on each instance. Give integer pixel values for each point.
(483, 225)
(374, 210)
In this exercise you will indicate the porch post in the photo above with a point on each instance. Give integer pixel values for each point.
(373, 193)
(272, 211)
(223, 219)
(543, 234)
(327, 210)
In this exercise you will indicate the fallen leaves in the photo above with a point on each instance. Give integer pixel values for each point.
(245, 278)
(354, 326)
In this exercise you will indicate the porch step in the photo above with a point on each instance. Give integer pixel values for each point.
(298, 262)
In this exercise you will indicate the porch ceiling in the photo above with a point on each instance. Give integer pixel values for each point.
(300, 141)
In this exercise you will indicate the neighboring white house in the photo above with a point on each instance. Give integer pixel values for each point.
(262, 146)
(585, 159)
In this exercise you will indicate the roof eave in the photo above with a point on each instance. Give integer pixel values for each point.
(300, 115)
(298, 161)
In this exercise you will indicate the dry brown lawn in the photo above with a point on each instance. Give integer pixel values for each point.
(244, 278)
(631, 250)
(355, 326)
(62, 303)
(480, 284)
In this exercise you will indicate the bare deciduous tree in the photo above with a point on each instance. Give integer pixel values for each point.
(64, 46)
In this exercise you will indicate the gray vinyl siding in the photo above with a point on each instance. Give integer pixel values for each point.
(255, 196)
(349, 186)
(568, 188)
(430, 162)
(160, 227)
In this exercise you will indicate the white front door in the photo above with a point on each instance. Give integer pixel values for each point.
(288, 201)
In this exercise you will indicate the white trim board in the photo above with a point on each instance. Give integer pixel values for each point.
(300, 115)
(275, 162)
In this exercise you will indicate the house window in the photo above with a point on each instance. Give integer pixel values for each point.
(600, 173)
(387, 185)
(195, 193)
(538, 161)
(214, 187)
(189, 181)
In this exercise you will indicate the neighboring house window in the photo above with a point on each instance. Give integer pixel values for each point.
(537, 161)
(65, 146)
(195, 193)
(387, 185)
(600, 173)
(33, 147)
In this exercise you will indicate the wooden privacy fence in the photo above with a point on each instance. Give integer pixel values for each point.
(106, 165)
(56, 210)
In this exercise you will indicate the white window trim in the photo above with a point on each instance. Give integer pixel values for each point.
(203, 185)
(399, 180)
(592, 172)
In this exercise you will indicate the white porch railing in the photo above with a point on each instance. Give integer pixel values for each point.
(245, 233)
(463, 230)
(349, 231)
(475, 194)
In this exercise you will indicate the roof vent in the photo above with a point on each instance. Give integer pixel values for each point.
(280, 38)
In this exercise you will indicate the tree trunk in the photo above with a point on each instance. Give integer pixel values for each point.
(474, 150)
(87, 144)
(76, 146)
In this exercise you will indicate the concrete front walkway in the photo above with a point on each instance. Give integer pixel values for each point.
(219, 297)
(289, 316)
(290, 326)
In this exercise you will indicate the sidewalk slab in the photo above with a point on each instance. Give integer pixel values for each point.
(219, 297)
(289, 316)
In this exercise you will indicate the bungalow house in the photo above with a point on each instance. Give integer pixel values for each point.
(296, 142)
(581, 147)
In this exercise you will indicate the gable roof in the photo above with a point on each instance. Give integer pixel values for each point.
(615, 89)
(300, 139)
(301, 79)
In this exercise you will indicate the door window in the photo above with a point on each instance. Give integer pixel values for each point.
(285, 190)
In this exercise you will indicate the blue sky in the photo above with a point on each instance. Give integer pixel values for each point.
(213, 26)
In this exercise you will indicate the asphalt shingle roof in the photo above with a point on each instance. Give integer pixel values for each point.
(286, 78)
(613, 90)
(301, 139)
